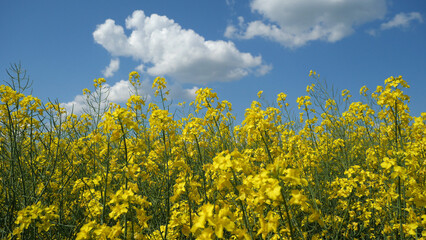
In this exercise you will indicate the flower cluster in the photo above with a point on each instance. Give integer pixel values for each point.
(339, 169)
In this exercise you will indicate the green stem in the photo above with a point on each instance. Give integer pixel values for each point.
(287, 210)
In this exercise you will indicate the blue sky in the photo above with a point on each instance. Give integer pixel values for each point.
(235, 47)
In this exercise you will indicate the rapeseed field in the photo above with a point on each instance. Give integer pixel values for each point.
(337, 169)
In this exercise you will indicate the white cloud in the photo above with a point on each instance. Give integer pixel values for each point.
(179, 93)
(230, 31)
(264, 69)
(230, 2)
(294, 23)
(113, 66)
(402, 20)
(165, 48)
(372, 32)
(76, 106)
(120, 92)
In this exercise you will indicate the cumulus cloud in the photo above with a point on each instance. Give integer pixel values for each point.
(113, 66)
(117, 93)
(294, 23)
(121, 91)
(402, 20)
(178, 92)
(76, 106)
(164, 48)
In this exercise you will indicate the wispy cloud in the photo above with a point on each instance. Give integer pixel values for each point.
(113, 66)
(295, 23)
(402, 20)
(163, 47)
(230, 4)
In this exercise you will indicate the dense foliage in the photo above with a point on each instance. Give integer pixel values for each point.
(340, 170)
